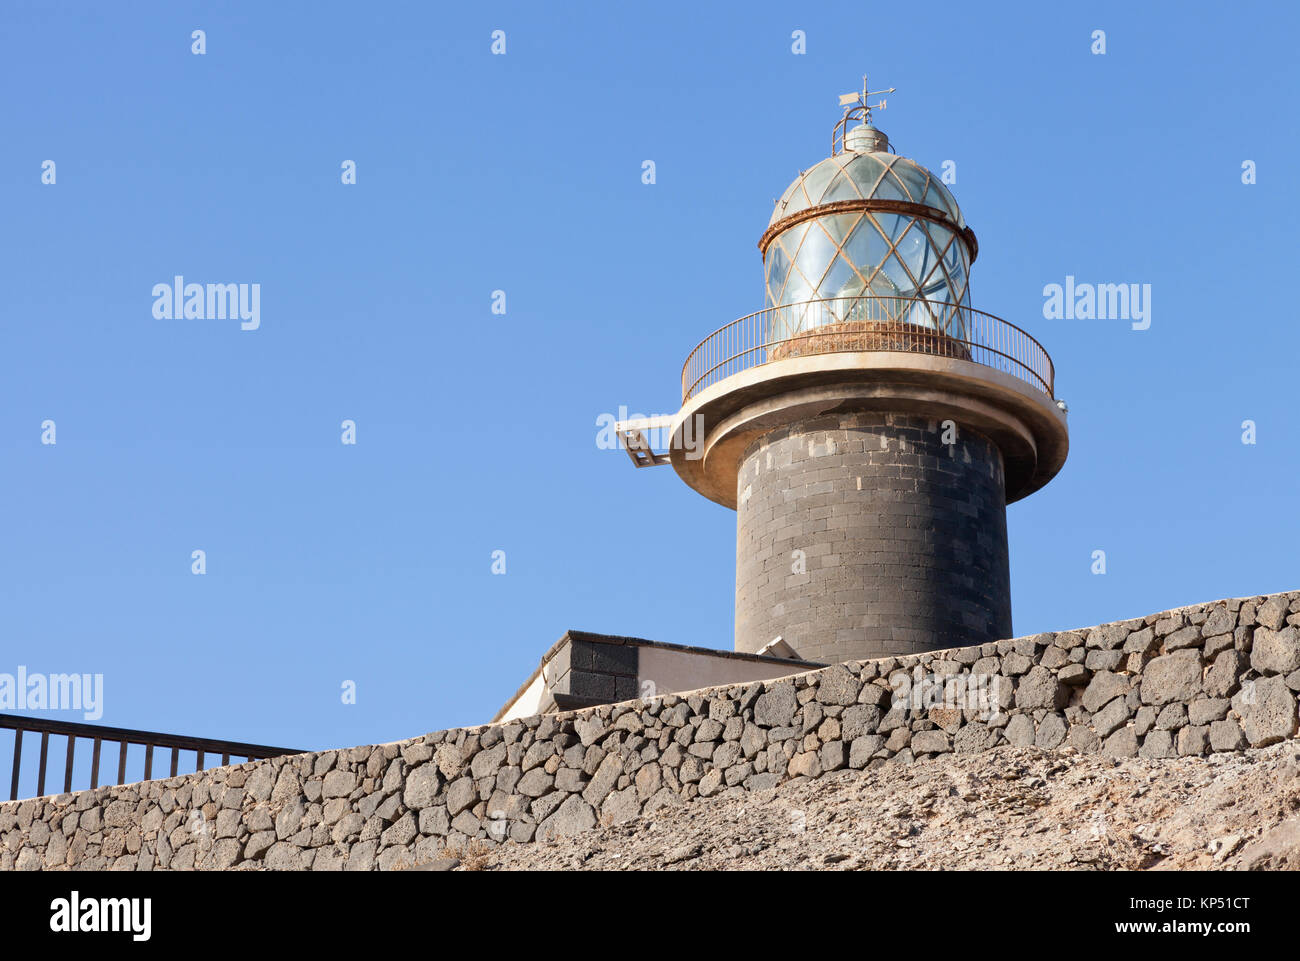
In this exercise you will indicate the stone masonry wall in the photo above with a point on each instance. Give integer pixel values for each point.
(1214, 677)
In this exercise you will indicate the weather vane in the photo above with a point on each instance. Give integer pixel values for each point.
(851, 100)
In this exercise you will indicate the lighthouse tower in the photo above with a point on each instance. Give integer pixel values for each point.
(868, 425)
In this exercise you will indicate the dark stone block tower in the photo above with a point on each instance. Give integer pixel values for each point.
(868, 426)
(863, 535)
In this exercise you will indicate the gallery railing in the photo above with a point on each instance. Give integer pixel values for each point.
(867, 324)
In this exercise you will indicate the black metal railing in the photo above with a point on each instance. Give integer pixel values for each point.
(201, 746)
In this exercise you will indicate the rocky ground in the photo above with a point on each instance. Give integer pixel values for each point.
(1010, 808)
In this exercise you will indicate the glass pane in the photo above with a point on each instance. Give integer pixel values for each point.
(914, 251)
(797, 289)
(815, 253)
(956, 249)
(840, 281)
(773, 265)
(839, 225)
(841, 188)
(957, 326)
(935, 286)
(935, 198)
(925, 315)
(800, 317)
(778, 324)
(792, 237)
(940, 244)
(791, 202)
(892, 225)
(940, 197)
(778, 265)
(891, 280)
(866, 247)
(815, 181)
(891, 189)
(910, 179)
(865, 171)
(960, 286)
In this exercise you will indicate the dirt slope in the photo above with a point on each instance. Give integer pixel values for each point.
(1012, 808)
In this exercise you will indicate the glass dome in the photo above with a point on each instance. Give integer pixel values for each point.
(865, 263)
(855, 176)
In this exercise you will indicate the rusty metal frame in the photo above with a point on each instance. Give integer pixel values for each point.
(923, 211)
(860, 113)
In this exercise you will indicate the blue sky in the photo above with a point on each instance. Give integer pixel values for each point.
(476, 432)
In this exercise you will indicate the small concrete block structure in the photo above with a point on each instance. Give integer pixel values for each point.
(584, 670)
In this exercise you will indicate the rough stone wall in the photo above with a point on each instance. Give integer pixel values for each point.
(903, 538)
(1211, 678)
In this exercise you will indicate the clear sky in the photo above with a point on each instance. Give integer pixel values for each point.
(476, 431)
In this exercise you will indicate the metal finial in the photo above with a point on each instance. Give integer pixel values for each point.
(849, 101)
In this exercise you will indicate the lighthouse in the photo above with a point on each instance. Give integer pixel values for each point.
(868, 425)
